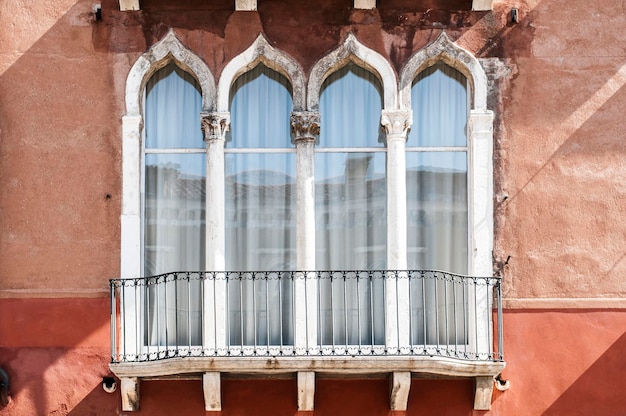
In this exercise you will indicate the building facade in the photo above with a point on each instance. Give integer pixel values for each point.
(336, 207)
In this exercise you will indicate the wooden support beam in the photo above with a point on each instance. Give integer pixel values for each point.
(129, 389)
(211, 385)
(306, 390)
(400, 386)
(482, 395)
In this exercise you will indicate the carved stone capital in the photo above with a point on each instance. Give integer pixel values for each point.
(215, 125)
(396, 123)
(305, 125)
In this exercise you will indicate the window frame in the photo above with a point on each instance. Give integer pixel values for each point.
(395, 118)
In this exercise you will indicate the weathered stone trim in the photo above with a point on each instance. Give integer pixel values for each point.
(160, 54)
(262, 52)
(443, 49)
(352, 50)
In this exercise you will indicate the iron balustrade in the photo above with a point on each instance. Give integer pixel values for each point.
(355, 313)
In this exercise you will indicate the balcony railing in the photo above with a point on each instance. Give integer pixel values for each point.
(291, 314)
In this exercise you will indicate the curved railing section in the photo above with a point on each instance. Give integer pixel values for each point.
(319, 314)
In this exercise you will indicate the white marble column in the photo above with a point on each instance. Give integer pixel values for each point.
(480, 126)
(215, 125)
(306, 128)
(396, 124)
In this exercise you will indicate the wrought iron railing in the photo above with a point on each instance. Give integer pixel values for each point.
(322, 313)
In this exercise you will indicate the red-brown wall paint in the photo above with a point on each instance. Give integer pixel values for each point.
(559, 362)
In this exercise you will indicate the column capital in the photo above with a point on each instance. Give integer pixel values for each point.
(305, 125)
(396, 123)
(215, 125)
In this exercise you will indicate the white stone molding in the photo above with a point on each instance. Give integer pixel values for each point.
(353, 50)
(306, 390)
(305, 126)
(443, 49)
(480, 132)
(327, 365)
(483, 390)
(160, 54)
(396, 124)
(399, 391)
(129, 390)
(482, 5)
(245, 5)
(211, 386)
(365, 4)
(262, 52)
(215, 125)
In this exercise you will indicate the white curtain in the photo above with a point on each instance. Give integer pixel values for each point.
(437, 202)
(173, 208)
(350, 195)
(260, 209)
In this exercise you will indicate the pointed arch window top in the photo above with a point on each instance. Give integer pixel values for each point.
(355, 51)
(443, 49)
(159, 55)
(262, 52)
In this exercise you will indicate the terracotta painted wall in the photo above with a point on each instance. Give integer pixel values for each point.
(565, 362)
(559, 97)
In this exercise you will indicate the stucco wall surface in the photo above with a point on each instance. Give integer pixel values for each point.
(558, 94)
(559, 362)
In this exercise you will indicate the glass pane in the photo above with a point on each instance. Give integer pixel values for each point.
(351, 234)
(350, 108)
(437, 215)
(350, 211)
(174, 213)
(439, 102)
(173, 106)
(261, 104)
(260, 212)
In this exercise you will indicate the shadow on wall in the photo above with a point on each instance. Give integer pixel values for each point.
(599, 390)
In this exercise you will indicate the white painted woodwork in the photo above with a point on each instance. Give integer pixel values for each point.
(306, 390)
(399, 391)
(211, 386)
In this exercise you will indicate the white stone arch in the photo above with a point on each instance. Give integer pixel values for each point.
(480, 143)
(166, 50)
(159, 55)
(353, 50)
(443, 49)
(262, 52)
